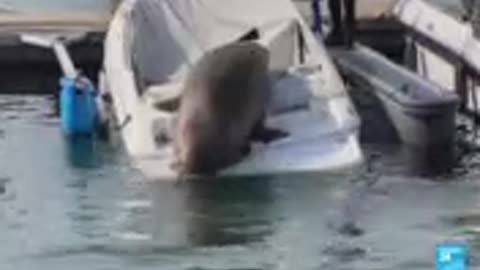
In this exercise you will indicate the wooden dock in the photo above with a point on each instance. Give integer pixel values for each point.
(13, 51)
(65, 21)
(376, 28)
(19, 61)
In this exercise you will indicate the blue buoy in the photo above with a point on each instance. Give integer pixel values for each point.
(78, 111)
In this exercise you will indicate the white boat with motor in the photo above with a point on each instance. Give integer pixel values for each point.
(441, 43)
(151, 45)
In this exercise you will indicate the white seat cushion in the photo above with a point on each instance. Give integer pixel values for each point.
(164, 94)
(290, 92)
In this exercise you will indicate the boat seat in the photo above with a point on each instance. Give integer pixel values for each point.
(164, 97)
(289, 92)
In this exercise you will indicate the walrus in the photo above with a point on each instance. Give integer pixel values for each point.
(222, 108)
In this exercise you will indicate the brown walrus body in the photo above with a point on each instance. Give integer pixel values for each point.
(223, 103)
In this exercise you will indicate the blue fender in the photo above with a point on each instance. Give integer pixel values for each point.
(78, 111)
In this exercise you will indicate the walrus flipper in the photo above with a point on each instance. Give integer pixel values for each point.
(262, 133)
(246, 149)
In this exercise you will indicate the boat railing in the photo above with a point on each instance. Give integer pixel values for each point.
(467, 70)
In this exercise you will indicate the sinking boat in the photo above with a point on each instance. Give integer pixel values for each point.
(151, 45)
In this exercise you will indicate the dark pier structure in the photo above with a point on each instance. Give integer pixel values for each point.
(27, 69)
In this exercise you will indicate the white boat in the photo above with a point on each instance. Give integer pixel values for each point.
(151, 44)
(441, 42)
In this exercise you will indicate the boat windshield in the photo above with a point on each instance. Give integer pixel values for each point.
(56, 5)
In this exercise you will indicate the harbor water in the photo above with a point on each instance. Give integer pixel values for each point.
(79, 205)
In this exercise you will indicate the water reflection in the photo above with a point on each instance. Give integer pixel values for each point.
(195, 225)
(198, 214)
(234, 212)
(429, 161)
(91, 152)
(81, 152)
